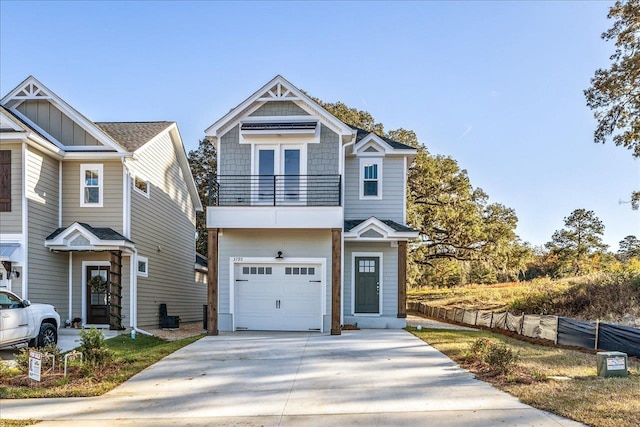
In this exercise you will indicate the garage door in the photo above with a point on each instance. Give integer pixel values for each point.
(278, 297)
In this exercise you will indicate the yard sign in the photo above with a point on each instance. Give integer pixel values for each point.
(35, 364)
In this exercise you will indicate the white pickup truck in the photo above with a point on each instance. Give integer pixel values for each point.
(23, 322)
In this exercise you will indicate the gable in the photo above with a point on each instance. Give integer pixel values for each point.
(283, 108)
(56, 123)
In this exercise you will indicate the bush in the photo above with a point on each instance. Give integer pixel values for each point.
(95, 355)
(497, 356)
(22, 357)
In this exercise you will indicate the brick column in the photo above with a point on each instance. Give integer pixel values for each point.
(212, 282)
(402, 279)
(336, 280)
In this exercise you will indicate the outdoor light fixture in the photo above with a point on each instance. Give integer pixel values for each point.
(279, 255)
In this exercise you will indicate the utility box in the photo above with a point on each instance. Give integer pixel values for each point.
(612, 364)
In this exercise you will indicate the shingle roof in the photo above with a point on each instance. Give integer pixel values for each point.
(361, 134)
(350, 224)
(132, 135)
(102, 233)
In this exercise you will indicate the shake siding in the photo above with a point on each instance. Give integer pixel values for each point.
(392, 202)
(234, 159)
(110, 214)
(279, 108)
(266, 243)
(11, 222)
(56, 123)
(163, 229)
(46, 271)
(389, 272)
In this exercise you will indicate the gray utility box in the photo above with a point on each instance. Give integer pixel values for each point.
(612, 364)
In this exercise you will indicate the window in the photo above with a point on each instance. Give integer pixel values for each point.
(257, 270)
(91, 186)
(300, 271)
(143, 266)
(371, 178)
(141, 185)
(5, 180)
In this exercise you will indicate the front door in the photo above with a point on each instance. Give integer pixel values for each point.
(367, 295)
(98, 295)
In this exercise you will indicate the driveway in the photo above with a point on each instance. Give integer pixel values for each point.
(366, 377)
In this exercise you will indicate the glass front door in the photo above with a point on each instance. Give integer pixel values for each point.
(279, 170)
(97, 295)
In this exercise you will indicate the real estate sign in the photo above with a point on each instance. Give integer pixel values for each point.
(35, 365)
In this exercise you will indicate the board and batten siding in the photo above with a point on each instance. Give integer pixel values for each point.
(47, 272)
(11, 222)
(110, 214)
(247, 243)
(56, 123)
(393, 181)
(163, 230)
(389, 275)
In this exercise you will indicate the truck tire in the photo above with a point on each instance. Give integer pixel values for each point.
(48, 335)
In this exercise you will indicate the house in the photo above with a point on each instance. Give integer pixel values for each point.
(97, 218)
(307, 231)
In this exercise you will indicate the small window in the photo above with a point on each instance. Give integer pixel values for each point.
(311, 271)
(245, 270)
(371, 178)
(141, 185)
(287, 270)
(91, 185)
(268, 270)
(143, 266)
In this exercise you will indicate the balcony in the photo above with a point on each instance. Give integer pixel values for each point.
(275, 201)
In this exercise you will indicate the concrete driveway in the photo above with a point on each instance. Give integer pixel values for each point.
(366, 377)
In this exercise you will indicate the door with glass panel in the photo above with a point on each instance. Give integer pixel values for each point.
(97, 295)
(279, 170)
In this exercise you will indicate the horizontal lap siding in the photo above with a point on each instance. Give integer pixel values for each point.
(110, 214)
(47, 271)
(392, 203)
(267, 243)
(389, 272)
(163, 229)
(11, 222)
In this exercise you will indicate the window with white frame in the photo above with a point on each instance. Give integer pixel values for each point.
(371, 178)
(91, 185)
(143, 266)
(141, 185)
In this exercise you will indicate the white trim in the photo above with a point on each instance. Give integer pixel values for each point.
(275, 217)
(133, 290)
(404, 190)
(59, 193)
(373, 223)
(25, 225)
(145, 260)
(271, 260)
(61, 241)
(126, 201)
(147, 193)
(353, 283)
(86, 264)
(84, 167)
(70, 286)
(371, 161)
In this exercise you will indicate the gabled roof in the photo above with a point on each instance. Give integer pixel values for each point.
(102, 233)
(133, 135)
(32, 89)
(80, 236)
(362, 134)
(375, 229)
(350, 224)
(279, 89)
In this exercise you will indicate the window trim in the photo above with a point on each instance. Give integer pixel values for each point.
(144, 260)
(366, 162)
(139, 191)
(83, 169)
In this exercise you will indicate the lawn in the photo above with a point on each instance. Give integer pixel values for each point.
(584, 397)
(130, 357)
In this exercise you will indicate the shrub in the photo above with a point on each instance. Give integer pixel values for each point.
(96, 355)
(497, 356)
(22, 357)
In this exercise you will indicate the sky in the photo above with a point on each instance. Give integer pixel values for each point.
(496, 85)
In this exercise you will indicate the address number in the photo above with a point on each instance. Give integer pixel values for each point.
(237, 259)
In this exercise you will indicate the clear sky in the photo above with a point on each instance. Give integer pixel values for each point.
(496, 85)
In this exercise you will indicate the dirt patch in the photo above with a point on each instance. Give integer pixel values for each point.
(185, 330)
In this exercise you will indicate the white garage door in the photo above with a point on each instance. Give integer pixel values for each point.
(278, 297)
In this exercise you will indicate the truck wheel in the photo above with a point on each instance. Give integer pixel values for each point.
(48, 335)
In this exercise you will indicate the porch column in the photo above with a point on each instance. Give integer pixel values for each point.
(402, 279)
(212, 282)
(336, 280)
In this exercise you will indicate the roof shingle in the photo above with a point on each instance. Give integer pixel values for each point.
(132, 135)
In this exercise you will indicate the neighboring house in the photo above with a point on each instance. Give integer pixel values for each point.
(307, 231)
(95, 218)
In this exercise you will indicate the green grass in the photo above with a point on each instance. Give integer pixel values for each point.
(131, 357)
(599, 402)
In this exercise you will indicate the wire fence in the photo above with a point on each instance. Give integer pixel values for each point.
(561, 330)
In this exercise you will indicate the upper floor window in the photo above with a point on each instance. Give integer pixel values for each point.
(91, 185)
(141, 185)
(370, 178)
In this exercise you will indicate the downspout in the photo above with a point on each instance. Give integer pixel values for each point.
(133, 297)
(343, 166)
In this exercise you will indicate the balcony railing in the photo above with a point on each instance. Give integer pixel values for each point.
(275, 190)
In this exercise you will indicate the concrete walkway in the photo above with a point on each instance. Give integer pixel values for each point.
(366, 377)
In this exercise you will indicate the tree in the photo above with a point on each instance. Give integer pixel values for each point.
(629, 248)
(581, 237)
(203, 163)
(614, 95)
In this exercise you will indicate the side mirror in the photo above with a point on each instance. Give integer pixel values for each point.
(26, 302)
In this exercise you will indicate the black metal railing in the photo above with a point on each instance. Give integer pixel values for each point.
(275, 190)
